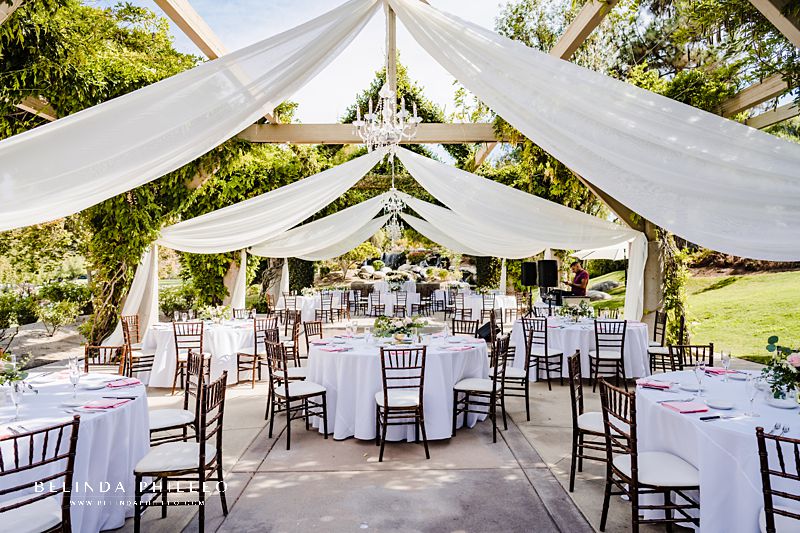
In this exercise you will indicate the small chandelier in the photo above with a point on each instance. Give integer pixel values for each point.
(392, 206)
(387, 125)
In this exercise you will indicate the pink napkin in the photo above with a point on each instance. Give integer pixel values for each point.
(106, 403)
(477, 341)
(320, 343)
(686, 407)
(459, 348)
(124, 382)
(648, 384)
(332, 349)
(717, 371)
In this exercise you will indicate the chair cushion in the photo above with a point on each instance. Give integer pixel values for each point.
(135, 354)
(164, 418)
(783, 524)
(538, 350)
(399, 398)
(591, 421)
(301, 388)
(605, 354)
(653, 343)
(660, 469)
(475, 384)
(34, 517)
(174, 457)
(296, 372)
(658, 350)
(511, 372)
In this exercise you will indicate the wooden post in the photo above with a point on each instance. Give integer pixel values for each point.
(391, 49)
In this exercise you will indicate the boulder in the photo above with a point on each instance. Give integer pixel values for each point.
(404, 268)
(605, 286)
(386, 270)
(597, 295)
(379, 274)
(368, 269)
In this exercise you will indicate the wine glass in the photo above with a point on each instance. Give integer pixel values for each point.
(190, 314)
(176, 315)
(184, 316)
(751, 389)
(699, 372)
(726, 364)
(74, 375)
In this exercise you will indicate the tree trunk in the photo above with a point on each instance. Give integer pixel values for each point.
(230, 280)
(271, 280)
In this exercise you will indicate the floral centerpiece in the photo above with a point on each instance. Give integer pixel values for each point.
(783, 369)
(576, 312)
(385, 326)
(11, 372)
(308, 291)
(215, 313)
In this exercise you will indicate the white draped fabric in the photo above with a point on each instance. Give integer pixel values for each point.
(615, 253)
(317, 239)
(121, 144)
(713, 181)
(434, 234)
(142, 299)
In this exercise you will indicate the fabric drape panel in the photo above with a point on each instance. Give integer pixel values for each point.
(614, 253)
(713, 181)
(240, 284)
(268, 215)
(335, 250)
(634, 279)
(322, 236)
(121, 144)
(142, 298)
(438, 236)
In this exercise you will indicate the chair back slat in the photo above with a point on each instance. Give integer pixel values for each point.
(660, 327)
(575, 386)
(188, 336)
(610, 335)
(619, 421)
(693, 354)
(104, 359)
(132, 322)
(465, 327)
(785, 476)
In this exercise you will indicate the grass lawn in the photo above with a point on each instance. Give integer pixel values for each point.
(736, 313)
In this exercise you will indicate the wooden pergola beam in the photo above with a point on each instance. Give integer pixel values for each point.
(427, 133)
(38, 106)
(589, 18)
(753, 95)
(768, 118)
(7, 9)
(192, 24)
(773, 11)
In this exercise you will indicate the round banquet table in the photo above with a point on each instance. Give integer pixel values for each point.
(222, 341)
(389, 299)
(725, 451)
(307, 305)
(353, 377)
(564, 335)
(110, 443)
(501, 302)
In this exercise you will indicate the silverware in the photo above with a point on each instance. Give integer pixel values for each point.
(119, 397)
(785, 430)
(14, 431)
(676, 400)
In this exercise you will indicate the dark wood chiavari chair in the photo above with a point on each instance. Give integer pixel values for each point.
(104, 359)
(376, 307)
(170, 421)
(242, 314)
(45, 456)
(635, 473)
(609, 336)
(540, 312)
(778, 518)
(584, 424)
(249, 361)
(312, 329)
(343, 310)
(400, 403)
(132, 321)
(188, 336)
(519, 309)
(659, 329)
(487, 305)
(134, 360)
(465, 327)
(192, 463)
(361, 301)
(292, 346)
(610, 314)
(425, 305)
(450, 302)
(310, 397)
(325, 311)
(664, 357)
(538, 351)
(289, 312)
(401, 302)
(478, 394)
(683, 356)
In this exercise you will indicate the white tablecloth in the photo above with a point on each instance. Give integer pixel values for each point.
(222, 341)
(389, 299)
(110, 444)
(565, 336)
(352, 378)
(501, 302)
(307, 305)
(724, 451)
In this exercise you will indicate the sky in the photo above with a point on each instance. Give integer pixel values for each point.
(239, 23)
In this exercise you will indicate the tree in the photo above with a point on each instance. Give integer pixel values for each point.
(359, 254)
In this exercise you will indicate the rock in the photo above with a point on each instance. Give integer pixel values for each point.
(597, 295)
(379, 274)
(404, 268)
(605, 286)
(368, 269)
(386, 270)
(416, 269)
(364, 274)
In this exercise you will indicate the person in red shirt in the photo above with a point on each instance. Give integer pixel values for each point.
(580, 281)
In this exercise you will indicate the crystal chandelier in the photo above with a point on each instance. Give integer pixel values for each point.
(393, 206)
(387, 125)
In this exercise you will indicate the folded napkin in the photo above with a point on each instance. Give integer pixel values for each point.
(459, 348)
(649, 384)
(320, 343)
(124, 382)
(686, 407)
(717, 371)
(106, 403)
(334, 349)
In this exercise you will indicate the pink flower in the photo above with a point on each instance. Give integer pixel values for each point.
(794, 360)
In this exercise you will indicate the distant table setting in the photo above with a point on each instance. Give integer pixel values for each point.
(715, 432)
(222, 341)
(501, 303)
(349, 367)
(112, 438)
(565, 335)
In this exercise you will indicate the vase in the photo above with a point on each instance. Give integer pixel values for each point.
(399, 337)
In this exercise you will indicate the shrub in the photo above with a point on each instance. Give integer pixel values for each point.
(377, 264)
(56, 314)
(65, 291)
(179, 298)
(301, 274)
(16, 309)
(415, 258)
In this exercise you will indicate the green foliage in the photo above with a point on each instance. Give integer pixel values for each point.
(378, 264)
(415, 258)
(65, 291)
(301, 274)
(676, 276)
(37, 254)
(177, 298)
(55, 315)
(359, 254)
(16, 309)
(207, 273)
(600, 267)
(488, 272)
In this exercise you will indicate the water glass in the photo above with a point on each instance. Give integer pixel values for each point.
(16, 398)
(184, 317)
(190, 314)
(176, 315)
(751, 389)
(699, 372)
(726, 364)
(74, 375)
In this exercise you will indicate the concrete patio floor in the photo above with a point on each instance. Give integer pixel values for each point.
(468, 485)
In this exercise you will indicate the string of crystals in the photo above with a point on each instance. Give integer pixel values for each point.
(387, 125)
(393, 205)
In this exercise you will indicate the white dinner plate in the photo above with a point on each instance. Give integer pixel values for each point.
(690, 387)
(719, 403)
(738, 376)
(788, 403)
(92, 386)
